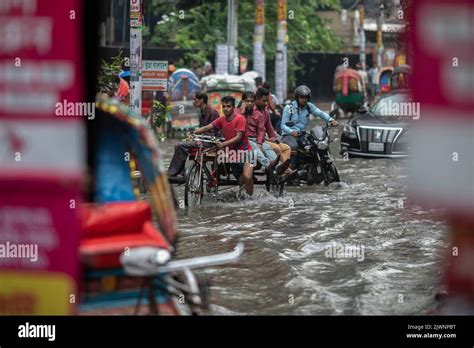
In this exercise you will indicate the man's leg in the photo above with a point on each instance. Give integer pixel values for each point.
(178, 162)
(268, 151)
(284, 152)
(247, 178)
(293, 144)
(264, 161)
(281, 149)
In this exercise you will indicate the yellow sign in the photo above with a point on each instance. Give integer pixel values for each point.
(361, 15)
(281, 16)
(379, 39)
(36, 293)
(259, 13)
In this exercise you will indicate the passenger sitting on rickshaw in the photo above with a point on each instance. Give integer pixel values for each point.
(256, 128)
(182, 149)
(234, 128)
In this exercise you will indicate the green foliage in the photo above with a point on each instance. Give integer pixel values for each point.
(198, 28)
(108, 72)
(158, 113)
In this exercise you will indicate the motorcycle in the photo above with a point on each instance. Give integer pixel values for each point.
(314, 162)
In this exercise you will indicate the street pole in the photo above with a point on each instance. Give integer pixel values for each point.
(380, 20)
(259, 38)
(362, 35)
(136, 56)
(281, 53)
(232, 33)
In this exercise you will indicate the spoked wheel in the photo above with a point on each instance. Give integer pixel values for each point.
(331, 174)
(193, 189)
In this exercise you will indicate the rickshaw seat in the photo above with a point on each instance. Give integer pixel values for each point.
(108, 229)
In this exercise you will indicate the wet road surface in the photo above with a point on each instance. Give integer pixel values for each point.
(352, 248)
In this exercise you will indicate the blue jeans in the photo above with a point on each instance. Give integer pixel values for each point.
(264, 157)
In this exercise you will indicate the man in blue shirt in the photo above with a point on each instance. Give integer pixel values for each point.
(298, 113)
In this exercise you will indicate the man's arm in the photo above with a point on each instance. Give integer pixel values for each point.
(321, 114)
(269, 128)
(204, 129)
(318, 112)
(285, 118)
(260, 129)
(238, 137)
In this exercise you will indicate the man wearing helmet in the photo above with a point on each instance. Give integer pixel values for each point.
(298, 112)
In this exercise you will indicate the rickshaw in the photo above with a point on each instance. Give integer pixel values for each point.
(127, 242)
(349, 90)
(401, 77)
(209, 172)
(385, 76)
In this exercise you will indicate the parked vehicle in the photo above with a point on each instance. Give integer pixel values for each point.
(349, 90)
(314, 161)
(379, 131)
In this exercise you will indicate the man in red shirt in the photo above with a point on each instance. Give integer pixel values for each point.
(233, 126)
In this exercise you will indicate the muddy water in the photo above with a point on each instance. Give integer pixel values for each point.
(350, 248)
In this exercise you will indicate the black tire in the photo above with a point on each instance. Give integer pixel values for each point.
(193, 191)
(330, 174)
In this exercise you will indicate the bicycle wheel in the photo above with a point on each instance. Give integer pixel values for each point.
(193, 189)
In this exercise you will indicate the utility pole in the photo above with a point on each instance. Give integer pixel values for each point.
(281, 53)
(362, 34)
(259, 38)
(380, 21)
(136, 56)
(232, 33)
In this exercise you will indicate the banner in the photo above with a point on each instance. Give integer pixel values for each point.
(42, 155)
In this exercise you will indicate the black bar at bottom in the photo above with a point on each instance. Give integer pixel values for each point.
(418, 331)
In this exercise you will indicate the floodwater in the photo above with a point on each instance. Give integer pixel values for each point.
(352, 248)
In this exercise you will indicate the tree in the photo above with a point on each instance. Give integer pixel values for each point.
(200, 27)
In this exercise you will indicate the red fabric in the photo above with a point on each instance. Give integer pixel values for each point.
(104, 252)
(110, 228)
(123, 89)
(256, 125)
(230, 129)
(113, 218)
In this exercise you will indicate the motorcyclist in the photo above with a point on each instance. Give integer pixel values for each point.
(298, 112)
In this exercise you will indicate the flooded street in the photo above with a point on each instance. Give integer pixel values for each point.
(286, 268)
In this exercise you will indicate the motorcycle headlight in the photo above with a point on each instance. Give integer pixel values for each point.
(322, 145)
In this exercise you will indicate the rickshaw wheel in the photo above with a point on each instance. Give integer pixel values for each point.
(193, 189)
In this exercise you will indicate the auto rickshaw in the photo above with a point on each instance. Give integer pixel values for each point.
(349, 90)
(385, 76)
(400, 77)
